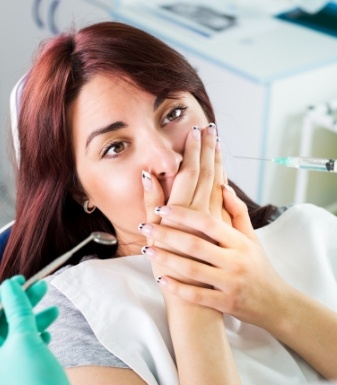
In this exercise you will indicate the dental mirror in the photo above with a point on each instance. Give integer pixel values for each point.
(97, 236)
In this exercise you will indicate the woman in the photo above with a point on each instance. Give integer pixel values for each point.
(110, 141)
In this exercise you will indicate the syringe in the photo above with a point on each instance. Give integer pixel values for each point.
(315, 164)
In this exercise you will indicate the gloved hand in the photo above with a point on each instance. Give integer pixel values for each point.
(24, 355)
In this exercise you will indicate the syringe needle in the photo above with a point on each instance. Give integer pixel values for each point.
(313, 164)
(250, 158)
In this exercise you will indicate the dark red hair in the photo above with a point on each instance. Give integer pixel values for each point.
(48, 220)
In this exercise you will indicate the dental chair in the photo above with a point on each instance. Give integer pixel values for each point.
(14, 110)
(4, 235)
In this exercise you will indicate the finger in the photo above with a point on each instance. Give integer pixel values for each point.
(213, 228)
(190, 245)
(153, 196)
(36, 292)
(20, 279)
(214, 299)
(46, 317)
(186, 180)
(216, 202)
(202, 196)
(46, 337)
(224, 213)
(238, 211)
(17, 307)
(188, 268)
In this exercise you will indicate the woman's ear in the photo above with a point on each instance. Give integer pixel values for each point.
(84, 202)
(77, 193)
(78, 197)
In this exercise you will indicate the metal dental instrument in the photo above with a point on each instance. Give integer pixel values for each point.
(314, 164)
(99, 237)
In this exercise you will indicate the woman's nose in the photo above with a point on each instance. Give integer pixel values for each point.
(161, 158)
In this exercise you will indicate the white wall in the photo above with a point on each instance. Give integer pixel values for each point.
(19, 37)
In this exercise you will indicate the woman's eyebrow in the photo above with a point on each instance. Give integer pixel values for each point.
(117, 125)
(100, 131)
(158, 101)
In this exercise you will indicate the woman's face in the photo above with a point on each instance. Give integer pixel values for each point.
(118, 131)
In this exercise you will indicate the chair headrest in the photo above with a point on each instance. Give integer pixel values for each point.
(15, 99)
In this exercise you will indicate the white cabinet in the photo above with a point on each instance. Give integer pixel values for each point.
(261, 75)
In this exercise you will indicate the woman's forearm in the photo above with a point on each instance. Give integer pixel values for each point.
(202, 351)
(309, 328)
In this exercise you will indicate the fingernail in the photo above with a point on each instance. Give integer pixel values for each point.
(211, 129)
(163, 210)
(229, 188)
(147, 181)
(149, 251)
(196, 132)
(145, 228)
(218, 144)
(162, 281)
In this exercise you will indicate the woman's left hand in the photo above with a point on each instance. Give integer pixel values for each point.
(235, 274)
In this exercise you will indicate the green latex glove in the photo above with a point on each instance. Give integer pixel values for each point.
(24, 355)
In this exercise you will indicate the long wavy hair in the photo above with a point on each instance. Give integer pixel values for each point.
(48, 220)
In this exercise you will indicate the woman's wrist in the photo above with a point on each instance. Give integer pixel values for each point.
(285, 320)
(200, 342)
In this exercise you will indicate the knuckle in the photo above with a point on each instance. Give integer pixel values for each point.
(191, 245)
(218, 161)
(210, 144)
(206, 173)
(196, 296)
(235, 299)
(243, 207)
(241, 210)
(208, 222)
(150, 204)
(192, 269)
(240, 268)
(162, 234)
(192, 172)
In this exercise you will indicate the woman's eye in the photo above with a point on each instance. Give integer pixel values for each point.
(176, 113)
(114, 149)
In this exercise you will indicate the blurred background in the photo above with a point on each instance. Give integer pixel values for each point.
(270, 67)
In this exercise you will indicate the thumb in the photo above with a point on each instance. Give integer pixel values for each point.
(17, 307)
(238, 211)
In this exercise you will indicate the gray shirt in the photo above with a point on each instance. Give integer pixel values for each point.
(73, 341)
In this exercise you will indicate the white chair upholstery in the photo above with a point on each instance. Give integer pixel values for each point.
(15, 98)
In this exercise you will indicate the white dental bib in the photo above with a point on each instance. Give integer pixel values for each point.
(123, 304)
